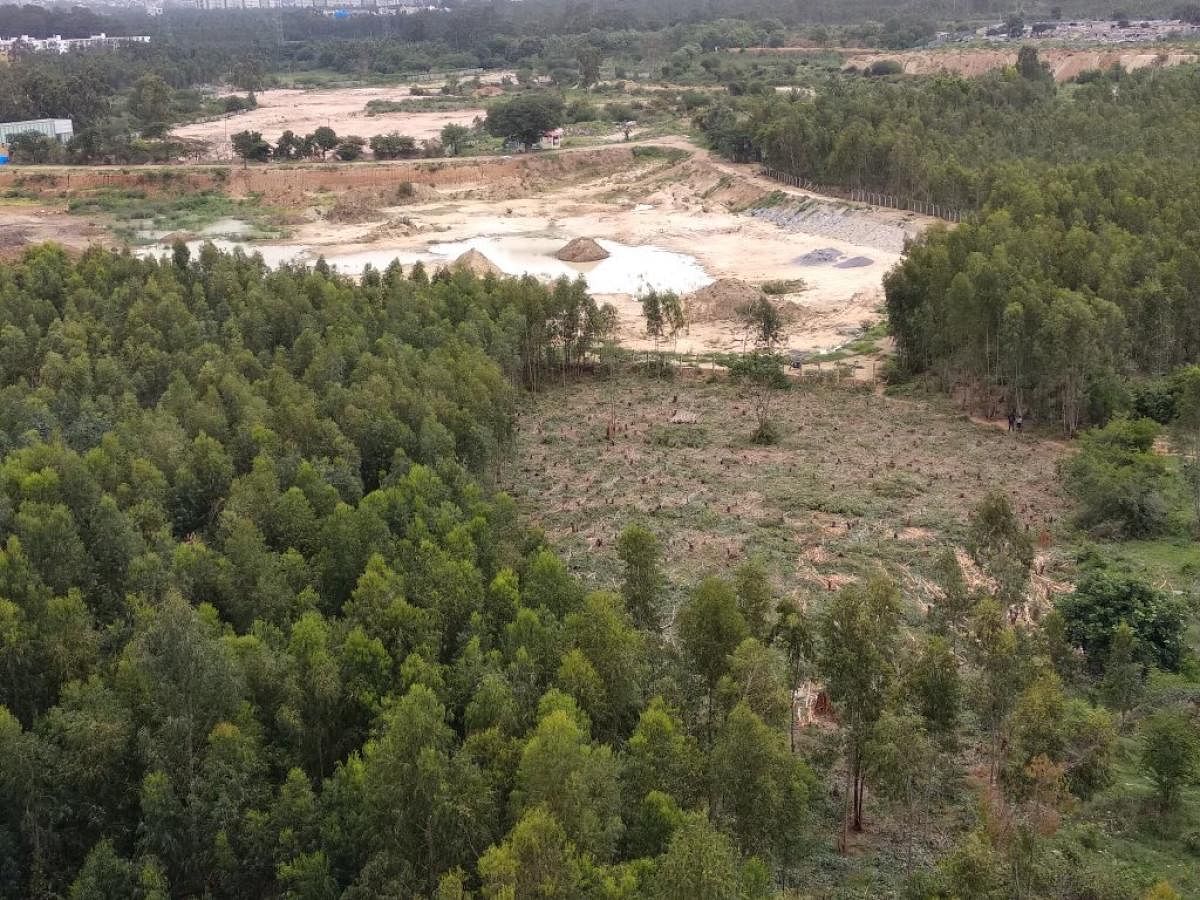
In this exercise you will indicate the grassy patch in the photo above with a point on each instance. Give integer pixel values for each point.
(766, 201)
(783, 286)
(857, 480)
(136, 211)
(1170, 563)
(652, 151)
(675, 436)
(865, 344)
(434, 103)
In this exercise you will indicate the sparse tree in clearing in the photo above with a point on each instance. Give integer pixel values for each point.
(952, 608)
(393, 146)
(525, 117)
(755, 596)
(1185, 433)
(350, 148)
(858, 659)
(249, 145)
(999, 674)
(764, 323)
(793, 635)
(455, 137)
(642, 585)
(1123, 673)
(937, 688)
(1170, 754)
(1001, 547)
(290, 146)
(763, 374)
(663, 312)
(324, 139)
(589, 60)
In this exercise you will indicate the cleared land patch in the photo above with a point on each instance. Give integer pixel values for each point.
(859, 479)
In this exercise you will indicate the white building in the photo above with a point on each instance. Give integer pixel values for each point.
(62, 130)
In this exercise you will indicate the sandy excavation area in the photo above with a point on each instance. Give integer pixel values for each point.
(669, 225)
(1065, 64)
(666, 216)
(342, 109)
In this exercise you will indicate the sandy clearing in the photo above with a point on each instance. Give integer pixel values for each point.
(837, 303)
(22, 224)
(677, 223)
(1065, 64)
(342, 109)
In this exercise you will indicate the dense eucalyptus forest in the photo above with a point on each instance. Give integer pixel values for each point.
(1076, 271)
(266, 631)
(269, 627)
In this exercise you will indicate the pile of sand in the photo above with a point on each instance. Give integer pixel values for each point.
(818, 257)
(394, 228)
(582, 250)
(720, 301)
(476, 262)
(854, 262)
(182, 236)
(347, 209)
(414, 192)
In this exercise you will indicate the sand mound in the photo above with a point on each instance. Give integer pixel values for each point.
(415, 192)
(720, 300)
(818, 257)
(348, 209)
(854, 262)
(474, 261)
(174, 236)
(582, 250)
(394, 228)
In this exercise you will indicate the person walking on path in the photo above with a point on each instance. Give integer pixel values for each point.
(1012, 420)
(1020, 423)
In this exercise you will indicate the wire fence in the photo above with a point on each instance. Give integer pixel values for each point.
(874, 198)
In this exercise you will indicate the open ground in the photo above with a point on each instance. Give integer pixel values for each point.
(1065, 63)
(342, 109)
(675, 216)
(858, 480)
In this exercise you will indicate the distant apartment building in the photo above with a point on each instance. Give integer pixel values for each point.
(60, 44)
